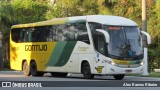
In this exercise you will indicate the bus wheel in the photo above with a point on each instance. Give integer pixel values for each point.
(119, 77)
(87, 71)
(33, 68)
(25, 68)
(56, 74)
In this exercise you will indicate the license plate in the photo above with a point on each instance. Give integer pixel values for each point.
(128, 71)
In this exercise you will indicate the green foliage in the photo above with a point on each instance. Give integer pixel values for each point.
(154, 30)
(154, 74)
(129, 9)
(6, 18)
(66, 8)
(16, 12)
(158, 12)
(7, 64)
(27, 11)
(21, 11)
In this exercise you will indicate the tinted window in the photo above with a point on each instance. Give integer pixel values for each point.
(16, 35)
(65, 32)
(37, 34)
(61, 33)
(93, 26)
(82, 34)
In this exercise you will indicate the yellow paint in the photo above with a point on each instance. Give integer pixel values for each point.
(124, 62)
(18, 54)
(43, 23)
(83, 48)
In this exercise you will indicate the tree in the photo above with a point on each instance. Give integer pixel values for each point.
(19, 11)
(129, 9)
(66, 8)
(63, 8)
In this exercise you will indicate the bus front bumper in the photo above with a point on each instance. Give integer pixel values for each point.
(112, 69)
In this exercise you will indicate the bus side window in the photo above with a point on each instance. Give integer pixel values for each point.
(35, 35)
(82, 34)
(42, 35)
(16, 35)
(51, 33)
(22, 32)
(39, 34)
(30, 32)
(70, 32)
(60, 33)
(26, 36)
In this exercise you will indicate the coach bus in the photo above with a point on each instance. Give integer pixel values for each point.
(90, 45)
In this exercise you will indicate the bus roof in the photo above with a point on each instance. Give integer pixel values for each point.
(103, 19)
(106, 19)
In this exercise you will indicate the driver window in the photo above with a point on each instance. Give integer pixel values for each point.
(101, 44)
(98, 38)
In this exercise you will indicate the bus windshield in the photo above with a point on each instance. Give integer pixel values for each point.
(125, 42)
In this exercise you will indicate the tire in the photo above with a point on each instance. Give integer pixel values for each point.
(56, 74)
(87, 71)
(119, 77)
(26, 69)
(33, 68)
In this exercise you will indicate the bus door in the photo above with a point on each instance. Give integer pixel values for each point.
(100, 46)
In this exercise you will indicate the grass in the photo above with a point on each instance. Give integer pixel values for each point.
(151, 74)
(154, 74)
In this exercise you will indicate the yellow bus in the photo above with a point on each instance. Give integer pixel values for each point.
(91, 45)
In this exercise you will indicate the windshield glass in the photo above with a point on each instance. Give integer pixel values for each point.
(125, 41)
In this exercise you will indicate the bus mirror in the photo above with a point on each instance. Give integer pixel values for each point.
(148, 37)
(107, 38)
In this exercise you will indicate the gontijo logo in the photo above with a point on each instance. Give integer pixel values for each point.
(99, 69)
(36, 47)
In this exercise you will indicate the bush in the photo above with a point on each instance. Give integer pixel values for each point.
(6, 64)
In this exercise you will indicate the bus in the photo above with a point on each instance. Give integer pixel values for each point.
(89, 45)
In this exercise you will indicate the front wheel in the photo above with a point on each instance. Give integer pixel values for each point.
(87, 71)
(33, 68)
(119, 77)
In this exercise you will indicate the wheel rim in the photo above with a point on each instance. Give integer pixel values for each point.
(25, 68)
(86, 70)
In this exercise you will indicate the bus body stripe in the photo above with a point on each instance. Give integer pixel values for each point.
(67, 51)
(61, 53)
(56, 53)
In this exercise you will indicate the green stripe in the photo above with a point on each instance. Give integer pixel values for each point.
(61, 53)
(56, 53)
(136, 61)
(66, 53)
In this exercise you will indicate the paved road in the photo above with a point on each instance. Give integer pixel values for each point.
(18, 76)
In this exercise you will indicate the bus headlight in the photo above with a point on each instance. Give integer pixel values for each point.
(110, 62)
(142, 63)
